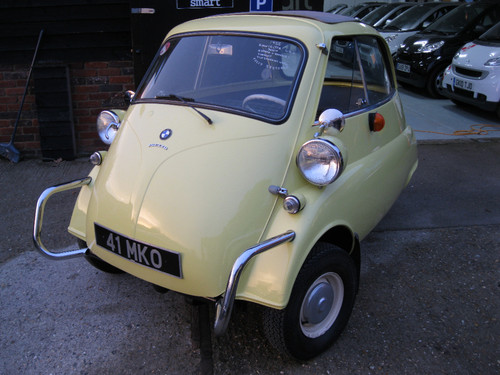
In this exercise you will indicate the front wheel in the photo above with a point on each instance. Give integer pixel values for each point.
(435, 82)
(319, 307)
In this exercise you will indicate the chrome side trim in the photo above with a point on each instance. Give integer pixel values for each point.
(224, 305)
(40, 207)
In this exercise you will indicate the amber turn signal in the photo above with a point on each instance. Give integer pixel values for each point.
(376, 121)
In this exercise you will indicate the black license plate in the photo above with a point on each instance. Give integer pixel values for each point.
(144, 254)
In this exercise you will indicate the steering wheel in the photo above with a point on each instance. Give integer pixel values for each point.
(273, 100)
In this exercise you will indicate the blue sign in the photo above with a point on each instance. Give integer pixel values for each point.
(261, 5)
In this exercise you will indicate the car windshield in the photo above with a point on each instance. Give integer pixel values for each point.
(456, 20)
(378, 13)
(352, 10)
(492, 35)
(410, 19)
(250, 75)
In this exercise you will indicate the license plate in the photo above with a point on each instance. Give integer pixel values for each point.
(139, 252)
(462, 84)
(403, 67)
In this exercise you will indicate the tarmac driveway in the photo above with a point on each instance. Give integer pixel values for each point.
(429, 299)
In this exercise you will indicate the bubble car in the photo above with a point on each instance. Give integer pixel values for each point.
(249, 165)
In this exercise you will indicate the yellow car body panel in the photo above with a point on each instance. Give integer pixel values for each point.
(204, 192)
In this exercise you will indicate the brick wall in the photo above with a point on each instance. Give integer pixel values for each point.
(12, 83)
(94, 86)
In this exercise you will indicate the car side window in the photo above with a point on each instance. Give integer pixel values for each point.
(357, 75)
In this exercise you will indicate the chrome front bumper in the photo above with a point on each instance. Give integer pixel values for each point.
(224, 305)
(40, 208)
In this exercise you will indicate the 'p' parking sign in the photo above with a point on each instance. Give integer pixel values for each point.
(261, 5)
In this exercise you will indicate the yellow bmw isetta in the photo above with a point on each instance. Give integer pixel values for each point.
(256, 154)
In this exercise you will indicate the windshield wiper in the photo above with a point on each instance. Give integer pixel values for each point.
(187, 101)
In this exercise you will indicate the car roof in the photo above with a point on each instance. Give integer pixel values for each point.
(324, 17)
(317, 25)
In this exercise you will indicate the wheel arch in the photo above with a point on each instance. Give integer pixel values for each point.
(269, 279)
(343, 237)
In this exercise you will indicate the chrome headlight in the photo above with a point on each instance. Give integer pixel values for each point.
(431, 47)
(108, 123)
(320, 162)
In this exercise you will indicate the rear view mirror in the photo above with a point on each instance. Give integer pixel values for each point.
(220, 49)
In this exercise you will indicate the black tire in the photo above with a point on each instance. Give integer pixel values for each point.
(328, 280)
(98, 262)
(434, 82)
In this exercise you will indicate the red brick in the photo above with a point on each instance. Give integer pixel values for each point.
(8, 83)
(120, 64)
(96, 64)
(99, 96)
(79, 97)
(9, 99)
(28, 129)
(7, 131)
(84, 73)
(88, 104)
(88, 135)
(95, 111)
(86, 89)
(109, 72)
(80, 112)
(120, 79)
(14, 91)
(33, 145)
(85, 121)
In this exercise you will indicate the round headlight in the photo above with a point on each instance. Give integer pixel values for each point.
(320, 162)
(108, 123)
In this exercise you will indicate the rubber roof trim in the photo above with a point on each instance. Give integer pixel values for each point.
(323, 17)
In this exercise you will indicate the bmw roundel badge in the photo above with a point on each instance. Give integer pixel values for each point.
(165, 134)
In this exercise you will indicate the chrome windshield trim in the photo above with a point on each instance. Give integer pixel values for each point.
(225, 304)
(40, 208)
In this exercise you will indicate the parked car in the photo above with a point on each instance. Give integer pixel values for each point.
(474, 74)
(337, 8)
(423, 57)
(360, 10)
(384, 14)
(249, 166)
(412, 21)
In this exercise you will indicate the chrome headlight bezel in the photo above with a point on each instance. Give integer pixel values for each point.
(320, 161)
(108, 123)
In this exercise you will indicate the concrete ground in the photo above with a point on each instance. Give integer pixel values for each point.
(429, 299)
(439, 120)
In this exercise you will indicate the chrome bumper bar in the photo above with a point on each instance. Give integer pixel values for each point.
(40, 206)
(224, 305)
